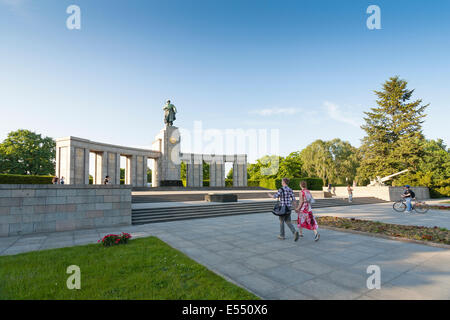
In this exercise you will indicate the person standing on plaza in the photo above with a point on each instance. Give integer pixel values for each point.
(350, 193)
(55, 180)
(286, 196)
(305, 216)
(106, 181)
(61, 181)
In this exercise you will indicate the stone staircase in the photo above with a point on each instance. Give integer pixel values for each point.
(165, 214)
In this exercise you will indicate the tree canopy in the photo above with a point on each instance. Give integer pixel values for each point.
(333, 161)
(393, 140)
(26, 152)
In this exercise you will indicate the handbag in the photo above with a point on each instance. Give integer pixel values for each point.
(279, 209)
(312, 200)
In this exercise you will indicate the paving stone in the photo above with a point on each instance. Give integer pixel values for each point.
(286, 275)
(285, 256)
(21, 249)
(259, 263)
(312, 266)
(236, 254)
(434, 287)
(258, 284)
(347, 278)
(390, 292)
(233, 269)
(322, 289)
(287, 294)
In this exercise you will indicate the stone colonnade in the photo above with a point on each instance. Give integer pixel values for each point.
(194, 169)
(72, 162)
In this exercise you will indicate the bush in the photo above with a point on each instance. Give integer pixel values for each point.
(115, 239)
(24, 179)
(440, 192)
(253, 183)
(294, 183)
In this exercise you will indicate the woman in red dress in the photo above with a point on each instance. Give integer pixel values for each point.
(305, 216)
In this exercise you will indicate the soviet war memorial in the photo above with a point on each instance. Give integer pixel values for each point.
(239, 152)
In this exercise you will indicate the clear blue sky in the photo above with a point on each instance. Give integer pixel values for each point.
(231, 64)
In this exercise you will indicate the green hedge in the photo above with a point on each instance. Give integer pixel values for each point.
(440, 192)
(253, 183)
(24, 179)
(294, 183)
(205, 183)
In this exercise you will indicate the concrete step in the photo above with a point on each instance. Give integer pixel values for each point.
(151, 215)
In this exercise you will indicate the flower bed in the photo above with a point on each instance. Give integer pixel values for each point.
(115, 239)
(435, 234)
(431, 207)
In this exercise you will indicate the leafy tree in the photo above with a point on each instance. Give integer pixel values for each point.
(291, 166)
(205, 171)
(26, 152)
(149, 174)
(393, 132)
(433, 169)
(345, 161)
(265, 167)
(334, 161)
(183, 171)
(230, 174)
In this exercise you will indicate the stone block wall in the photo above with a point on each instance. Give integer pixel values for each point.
(26, 209)
(387, 193)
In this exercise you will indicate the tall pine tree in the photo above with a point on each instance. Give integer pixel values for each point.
(393, 132)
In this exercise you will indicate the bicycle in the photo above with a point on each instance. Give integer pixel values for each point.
(419, 207)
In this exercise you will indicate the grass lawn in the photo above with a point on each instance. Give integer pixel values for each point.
(145, 268)
(437, 235)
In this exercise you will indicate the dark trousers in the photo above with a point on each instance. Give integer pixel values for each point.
(286, 219)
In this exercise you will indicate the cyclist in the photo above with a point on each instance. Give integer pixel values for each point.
(408, 195)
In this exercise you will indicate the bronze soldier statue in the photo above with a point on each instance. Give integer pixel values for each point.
(169, 113)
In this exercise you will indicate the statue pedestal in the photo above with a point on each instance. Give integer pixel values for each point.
(169, 164)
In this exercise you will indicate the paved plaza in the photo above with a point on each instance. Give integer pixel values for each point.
(244, 249)
(384, 212)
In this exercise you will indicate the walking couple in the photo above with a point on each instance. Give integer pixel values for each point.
(305, 217)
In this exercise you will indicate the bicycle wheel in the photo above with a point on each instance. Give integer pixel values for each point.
(420, 208)
(399, 206)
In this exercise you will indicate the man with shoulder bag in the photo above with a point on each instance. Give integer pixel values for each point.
(283, 208)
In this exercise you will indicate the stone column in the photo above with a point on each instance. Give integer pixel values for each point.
(101, 167)
(112, 161)
(105, 170)
(217, 172)
(131, 170)
(170, 161)
(155, 173)
(240, 171)
(144, 173)
(139, 171)
(64, 163)
(58, 161)
(194, 171)
(117, 170)
(79, 166)
(86, 166)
